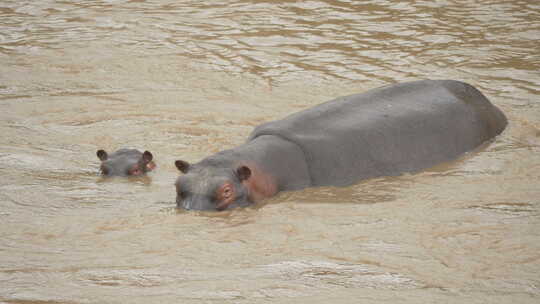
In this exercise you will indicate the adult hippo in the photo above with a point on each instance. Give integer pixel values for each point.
(386, 131)
(125, 162)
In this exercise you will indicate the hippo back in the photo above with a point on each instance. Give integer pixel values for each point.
(388, 131)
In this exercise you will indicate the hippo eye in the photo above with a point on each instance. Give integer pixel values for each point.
(227, 192)
(135, 170)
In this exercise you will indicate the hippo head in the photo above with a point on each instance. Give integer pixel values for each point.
(125, 162)
(211, 187)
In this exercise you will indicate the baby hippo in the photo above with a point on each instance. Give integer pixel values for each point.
(125, 162)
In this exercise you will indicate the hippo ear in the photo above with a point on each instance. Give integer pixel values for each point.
(102, 155)
(183, 166)
(243, 173)
(147, 156)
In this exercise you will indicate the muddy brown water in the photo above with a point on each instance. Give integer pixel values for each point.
(185, 79)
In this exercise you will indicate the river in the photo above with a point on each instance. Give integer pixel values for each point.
(185, 79)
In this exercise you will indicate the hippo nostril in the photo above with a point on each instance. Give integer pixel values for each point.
(105, 171)
(187, 205)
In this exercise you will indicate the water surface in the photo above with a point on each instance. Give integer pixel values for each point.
(185, 79)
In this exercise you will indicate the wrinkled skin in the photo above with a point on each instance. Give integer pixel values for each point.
(125, 162)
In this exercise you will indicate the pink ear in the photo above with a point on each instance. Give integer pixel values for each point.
(243, 173)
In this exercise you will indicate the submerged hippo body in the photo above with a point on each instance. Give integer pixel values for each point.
(386, 131)
(125, 162)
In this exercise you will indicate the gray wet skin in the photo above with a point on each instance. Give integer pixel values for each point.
(386, 131)
(125, 162)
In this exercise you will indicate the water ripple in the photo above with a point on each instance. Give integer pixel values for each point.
(283, 40)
